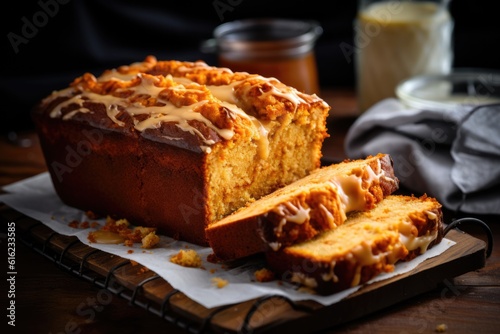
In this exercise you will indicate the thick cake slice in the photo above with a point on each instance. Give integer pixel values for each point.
(367, 244)
(304, 208)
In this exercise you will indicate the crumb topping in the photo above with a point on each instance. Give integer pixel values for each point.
(209, 103)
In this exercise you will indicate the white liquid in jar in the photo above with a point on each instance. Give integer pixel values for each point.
(396, 40)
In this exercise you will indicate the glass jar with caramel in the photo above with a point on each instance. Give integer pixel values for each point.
(279, 48)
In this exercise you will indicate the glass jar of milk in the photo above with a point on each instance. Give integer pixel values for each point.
(396, 40)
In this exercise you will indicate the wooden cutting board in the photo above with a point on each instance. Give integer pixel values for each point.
(144, 288)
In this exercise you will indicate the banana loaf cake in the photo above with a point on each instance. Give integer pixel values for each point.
(302, 209)
(367, 244)
(177, 145)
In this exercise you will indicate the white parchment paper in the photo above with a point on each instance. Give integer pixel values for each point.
(36, 198)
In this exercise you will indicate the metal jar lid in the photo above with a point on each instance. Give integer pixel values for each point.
(264, 37)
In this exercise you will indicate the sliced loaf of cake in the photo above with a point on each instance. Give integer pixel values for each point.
(176, 145)
(367, 244)
(299, 211)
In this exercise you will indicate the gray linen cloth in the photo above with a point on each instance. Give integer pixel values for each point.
(453, 155)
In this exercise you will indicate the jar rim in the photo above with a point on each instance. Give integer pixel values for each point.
(461, 88)
(263, 36)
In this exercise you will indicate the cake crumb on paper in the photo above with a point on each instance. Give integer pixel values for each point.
(219, 282)
(264, 275)
(187, 258)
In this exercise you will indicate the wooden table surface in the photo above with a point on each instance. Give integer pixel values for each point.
(50, 300)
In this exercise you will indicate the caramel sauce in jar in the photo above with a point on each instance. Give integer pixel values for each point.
(298, 72)
(278, 48)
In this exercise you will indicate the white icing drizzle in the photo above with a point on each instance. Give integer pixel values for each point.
(363, 256)
(329, 215)
(412, 242)
(294, 213)
(180, 115)
(171, 138)
(279, 229)
(182, 81)
(408, 235)
(115, 75)
(72, 113)
(431, 215)
(77, 99)
(166, 113)
(301, 278)
(351, 191)
(169, 112)
(290, 213)
(330, 276)
(388, 179)
(158, 114)
(375, 175)
(275, 245)
(147, 86)
(350, 194)
(223, 93)
(55, 94)
(112, 111)
(263, 139)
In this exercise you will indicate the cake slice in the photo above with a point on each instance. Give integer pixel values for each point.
(299, 211)
(367, 244)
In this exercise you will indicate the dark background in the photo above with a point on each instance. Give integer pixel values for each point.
(76, 36)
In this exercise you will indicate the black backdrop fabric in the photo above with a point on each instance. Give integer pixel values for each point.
(47, 43)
